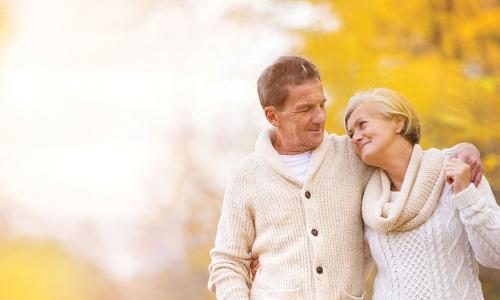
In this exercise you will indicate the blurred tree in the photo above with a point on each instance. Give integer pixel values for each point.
(4, 10)
(41, 270)
(200, 199)
(198, 196)
(443, 55)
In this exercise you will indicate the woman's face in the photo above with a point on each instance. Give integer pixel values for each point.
(372, 134)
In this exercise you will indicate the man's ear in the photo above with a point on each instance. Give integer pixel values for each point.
(271, 113)
(399, 124)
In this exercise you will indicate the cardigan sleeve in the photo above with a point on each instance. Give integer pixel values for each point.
(450, 151)
(368, 261)
(480, 215)
(230, 267)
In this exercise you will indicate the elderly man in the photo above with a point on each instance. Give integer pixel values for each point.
(295, 202)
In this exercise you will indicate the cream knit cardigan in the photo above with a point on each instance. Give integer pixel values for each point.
(308, 236)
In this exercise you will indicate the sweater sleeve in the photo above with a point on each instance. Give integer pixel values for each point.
(480, 215)
(229, 270)
(450, 151)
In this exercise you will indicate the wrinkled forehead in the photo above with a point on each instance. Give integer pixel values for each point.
(311, 90)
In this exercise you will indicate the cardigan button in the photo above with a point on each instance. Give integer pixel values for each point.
(308, 194)
(314, 232)
(319, 270)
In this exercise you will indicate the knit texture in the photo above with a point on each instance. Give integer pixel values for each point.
(417, 199)
(438, 260)
(308, 236)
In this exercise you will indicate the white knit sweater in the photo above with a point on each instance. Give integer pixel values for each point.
(308, 236)
(438, 260)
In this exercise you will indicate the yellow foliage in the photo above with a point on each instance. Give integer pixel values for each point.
(44, 271)
(442, 55)
(491, 161)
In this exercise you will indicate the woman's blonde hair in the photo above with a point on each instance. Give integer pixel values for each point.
(391, 105)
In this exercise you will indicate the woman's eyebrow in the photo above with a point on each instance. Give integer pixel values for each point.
(356, 123)
(349, 128)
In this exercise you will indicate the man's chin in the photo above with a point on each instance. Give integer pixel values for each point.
(316, 141)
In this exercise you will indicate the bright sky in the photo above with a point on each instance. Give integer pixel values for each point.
(95, 94)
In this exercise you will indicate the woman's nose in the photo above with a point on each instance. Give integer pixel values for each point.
(357, 137)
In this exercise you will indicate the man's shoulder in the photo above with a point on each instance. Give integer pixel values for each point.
(246, 165)
(344, 149)
(339, 138)
(341, 143)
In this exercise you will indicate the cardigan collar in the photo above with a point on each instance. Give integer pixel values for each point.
(266, 150)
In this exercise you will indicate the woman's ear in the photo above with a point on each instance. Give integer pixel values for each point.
(399, 124)
(272, 115)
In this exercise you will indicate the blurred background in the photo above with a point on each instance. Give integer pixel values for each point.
(121, 120)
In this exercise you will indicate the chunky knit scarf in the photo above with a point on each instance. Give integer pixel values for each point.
(417, 199)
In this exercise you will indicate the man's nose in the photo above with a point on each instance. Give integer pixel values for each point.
(319, 115)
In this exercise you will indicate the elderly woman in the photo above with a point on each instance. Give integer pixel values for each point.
(427, 226)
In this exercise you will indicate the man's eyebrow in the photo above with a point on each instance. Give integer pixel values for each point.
(306, 104)
(303, 105)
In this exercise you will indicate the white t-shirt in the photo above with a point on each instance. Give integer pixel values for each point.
(298, 163)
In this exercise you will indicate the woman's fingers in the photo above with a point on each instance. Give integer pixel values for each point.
(473, 160)
(254, 266)
(457, 173)
(478, 175)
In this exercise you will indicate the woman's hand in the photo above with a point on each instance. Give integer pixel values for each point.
(457, 173)
(254, 266)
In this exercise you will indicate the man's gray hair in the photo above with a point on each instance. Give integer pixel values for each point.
(286, 70)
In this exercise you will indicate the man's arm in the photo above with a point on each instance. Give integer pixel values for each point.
(229, 269)
(368, 262)
(469, 154)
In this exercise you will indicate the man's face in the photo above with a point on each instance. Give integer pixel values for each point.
(301, 120)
